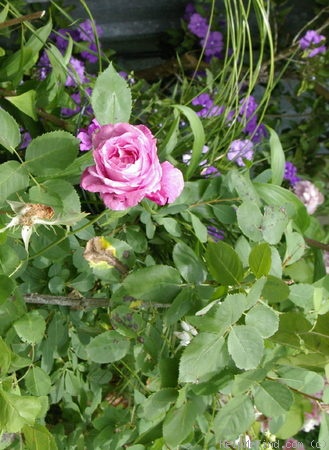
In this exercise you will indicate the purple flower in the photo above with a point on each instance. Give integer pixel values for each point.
(85, 135)
(208, 107)
(189, 10)
(210, 171)
(76, 97)
(290, 173)
(86, 31)
(248, 106)
(77, 72)
(43, 66)
(90, 54)
(215, 233)
(247, 114)
(26, 139)
(205, 101)
(214, 44)
(198, 25)
(240, 149)
(311, 40)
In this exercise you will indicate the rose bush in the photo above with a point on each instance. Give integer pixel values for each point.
(127, 168)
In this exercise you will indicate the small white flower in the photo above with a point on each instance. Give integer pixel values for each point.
(187, 335)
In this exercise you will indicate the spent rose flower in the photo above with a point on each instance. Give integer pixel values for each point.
(309, 194)
(127, 168)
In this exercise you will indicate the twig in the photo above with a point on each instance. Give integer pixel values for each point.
(317, 244)
(17, 20)
(76, 303)
(81, 303)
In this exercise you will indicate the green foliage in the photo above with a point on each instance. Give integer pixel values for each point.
(160, 326)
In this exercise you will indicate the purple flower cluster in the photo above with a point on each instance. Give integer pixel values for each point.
(211, 41)
(290, 173)
(209, 109)
(76, 65)
(312, 43)
(85, 135)
(239, 150)
(248, 116)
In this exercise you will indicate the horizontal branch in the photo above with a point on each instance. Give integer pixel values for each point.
(81, 303)
(76, 303)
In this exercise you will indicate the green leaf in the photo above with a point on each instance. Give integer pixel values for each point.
(273, 398)
(179, 422)
(275, 222)
(243, 186)
(25, 58)
(255, 292)
(225, 314)
(37, 382)
(302, 295)
(245, 380)
(224, 263)
(250, 220)
(295, 248)
(7, 286)
(275, 290)
(323, 438)
(264, 319)
(17, 411)
(38, 438)
(260, 260)
(50, 153)
(291, 422)
(246, 346)
(5, 357)
(158, 403)
(26, 103)
(170, 225)
(189, 265)
(108, 347)
(277, 157)
(111, 98)
(275, 195)
(13, 178)
(293, 325)
(203, 358)
(224, 213)
(158, 283)
(198, 136)
(234, 418)
(31, 327)
(302, 380)
(10, 135)
(199, 228)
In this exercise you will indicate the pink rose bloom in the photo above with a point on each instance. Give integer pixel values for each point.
(127, 168)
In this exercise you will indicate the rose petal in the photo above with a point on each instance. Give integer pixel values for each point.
(172, 184)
